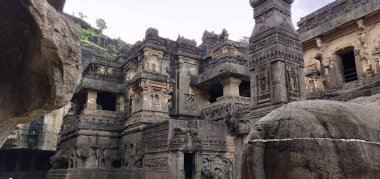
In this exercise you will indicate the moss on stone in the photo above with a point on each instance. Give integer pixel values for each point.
(85, 34)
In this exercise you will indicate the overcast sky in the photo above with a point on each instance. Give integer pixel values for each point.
(129, 19)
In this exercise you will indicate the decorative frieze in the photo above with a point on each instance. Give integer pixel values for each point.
(329, 13)
(224, 107)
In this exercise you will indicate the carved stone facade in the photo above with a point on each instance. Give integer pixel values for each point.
(171, 109)
(340, 43)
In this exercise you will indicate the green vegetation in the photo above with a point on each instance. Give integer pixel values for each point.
(101, 24)
(244, 40)
(85, 34)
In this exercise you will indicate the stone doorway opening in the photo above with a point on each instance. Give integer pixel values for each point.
(245, 89)
(347, 61)
(106, 101)
(215, 92)
(189, 165)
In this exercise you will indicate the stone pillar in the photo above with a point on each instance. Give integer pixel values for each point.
(91, 99)
(231, 86)
(270, 63)
(120, 104)
(253, 88)
(280, 89)
(376, 66)
(198, 165)
(359, 65)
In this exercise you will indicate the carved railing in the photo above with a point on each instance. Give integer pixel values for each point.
(100, 119)
(328, 13)
(211, 64)
(224, 107)
(104, 73)
(221, 68)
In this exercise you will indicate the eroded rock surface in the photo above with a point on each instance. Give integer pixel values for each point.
(39, 60)
(316, 139)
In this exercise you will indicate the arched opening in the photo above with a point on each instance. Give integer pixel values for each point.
(215, 92)
(106, 101)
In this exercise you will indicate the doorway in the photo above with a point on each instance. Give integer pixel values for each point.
(189, 165)
(348, 65)
(215, 92)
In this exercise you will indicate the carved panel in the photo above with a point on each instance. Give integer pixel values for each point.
(156, 138)
(217, 167)
(156, 164)
(339, 9)
(263, 86)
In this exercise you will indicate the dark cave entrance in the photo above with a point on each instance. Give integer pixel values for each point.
(215, 92)
(106, 101)
(189, 165)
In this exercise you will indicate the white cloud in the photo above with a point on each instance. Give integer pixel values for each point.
(129, 19)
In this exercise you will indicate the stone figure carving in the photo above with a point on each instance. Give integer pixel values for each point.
(60, 159)
(263, 84)
(216, 167)
(110, 156)
(185, 139)
(190, 102)
(232, 120)
(100, 157)
(224, 36)
(138, 158)
(82, 154)
(73, 159)
(125, 156)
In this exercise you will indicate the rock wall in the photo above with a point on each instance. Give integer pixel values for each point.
(39, 61)
(316, 139)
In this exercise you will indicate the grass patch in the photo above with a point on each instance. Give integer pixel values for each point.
(85, 34)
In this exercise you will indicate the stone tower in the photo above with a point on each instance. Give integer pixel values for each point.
(276, 60)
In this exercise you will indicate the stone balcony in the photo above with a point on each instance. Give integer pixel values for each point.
(220, 70)
(92, 119)
(224, 107)
(101, 119)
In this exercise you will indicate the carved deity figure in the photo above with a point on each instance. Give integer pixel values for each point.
(263, 86)
(224, 36)
(216, 167)
(100, 159)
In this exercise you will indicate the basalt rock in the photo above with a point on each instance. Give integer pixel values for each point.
(316, 139)
(39, 60)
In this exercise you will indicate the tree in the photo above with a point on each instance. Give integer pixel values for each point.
(244, 40)
(101, 24)
(81, 15)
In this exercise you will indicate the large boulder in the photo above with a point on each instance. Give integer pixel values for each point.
(316, 139)
(39, 60)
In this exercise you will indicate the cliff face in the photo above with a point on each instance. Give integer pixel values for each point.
(316, 139)
(39, 66)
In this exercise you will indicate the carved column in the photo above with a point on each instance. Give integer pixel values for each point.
(231, 86)
(376, 66)
(91, 99)
(273, 46)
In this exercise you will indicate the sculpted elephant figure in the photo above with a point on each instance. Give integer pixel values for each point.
(111, 155)
(125, 156)
(59, 160)
(81, 156)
